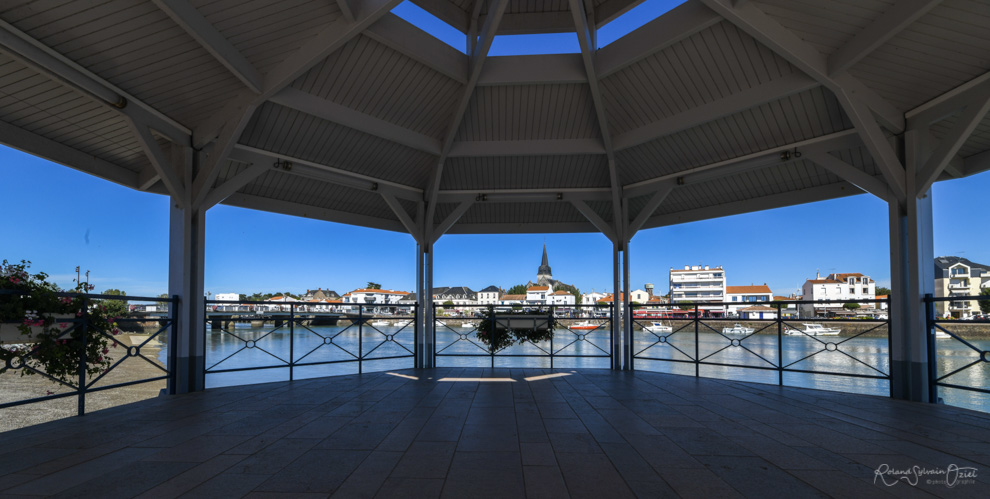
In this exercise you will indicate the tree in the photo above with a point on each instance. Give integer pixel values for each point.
(448, 304)
(985, 304)
(572, 290)
(116, 308)
(373, 285)
(518, 289)
(881, 291)
(686, 307)
(850, 306)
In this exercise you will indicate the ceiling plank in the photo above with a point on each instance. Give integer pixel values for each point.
(401, 36)
(526, 147)
(888, 25)
(189, 19)
(331, 111)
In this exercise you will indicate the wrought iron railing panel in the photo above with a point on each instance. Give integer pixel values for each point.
(254, 342)
(581, 336)
(959, 353)
(136, 353)
(785, 349)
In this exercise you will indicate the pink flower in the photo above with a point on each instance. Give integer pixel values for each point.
(63, 325)
(106, 351)
(49, 392)
(79, 313)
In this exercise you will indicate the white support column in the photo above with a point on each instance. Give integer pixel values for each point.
(427, 300)
(185, 280)
(420, 361)
(627, 322)
(616, 312)
(912, 276)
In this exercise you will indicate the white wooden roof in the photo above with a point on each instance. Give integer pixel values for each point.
(340, 110)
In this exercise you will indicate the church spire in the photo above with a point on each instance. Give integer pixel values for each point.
(544, 270)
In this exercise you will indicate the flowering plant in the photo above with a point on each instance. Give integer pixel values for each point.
(58, 329)
(499, 335)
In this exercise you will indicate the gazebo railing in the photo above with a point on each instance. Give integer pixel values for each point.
(582, 335)
(784, 343)
(142, 341)
(959, 351)
(285, 341)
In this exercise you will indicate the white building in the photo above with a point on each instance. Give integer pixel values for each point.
(739, 297)
(956, 276)
(757, 312)
(376, 297)
(488, 296)
(537, 294)
(512, 300)
(839, 289)
(639, 296)
(696, 283)
(592, 298)
(227, 297)
(561, 297)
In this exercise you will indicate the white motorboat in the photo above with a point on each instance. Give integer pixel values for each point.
(814, 330)
(942, 335)
(404, 323)
(439, 323)
(469, 324)
(380, 323)
(658, 327)
(737, 329)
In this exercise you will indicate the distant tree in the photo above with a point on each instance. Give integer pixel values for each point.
(164, 295)
(850, 306)
(117, 308)
(448, 304)
(572, 290)
(881, 291)
(373, 285)
(518, 289)
(686, 307)
(985, 304)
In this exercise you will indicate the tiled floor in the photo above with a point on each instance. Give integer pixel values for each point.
(502, 433)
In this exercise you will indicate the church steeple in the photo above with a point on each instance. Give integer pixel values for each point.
(544, 270)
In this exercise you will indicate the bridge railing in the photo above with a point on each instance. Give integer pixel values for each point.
(254, 342)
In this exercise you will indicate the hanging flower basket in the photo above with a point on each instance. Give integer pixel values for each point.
(55, 331)
(508, 329)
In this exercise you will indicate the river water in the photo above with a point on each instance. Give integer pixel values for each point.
(867, 356)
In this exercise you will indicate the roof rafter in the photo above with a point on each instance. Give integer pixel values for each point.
(757, 24)
(970, 116)
(587, 43)
(680, 23)
(331, 111)
(482, 148)
(747, 99)
(401, 36)
(851, 174)
(664, 190)
(189, 19)
(477, 61)
(595, 219)
(882, 29)
(234, 184)
(50, 63)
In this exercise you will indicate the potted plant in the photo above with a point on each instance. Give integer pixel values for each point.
(508, 329)
(48, 331)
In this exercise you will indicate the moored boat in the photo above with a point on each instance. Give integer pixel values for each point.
(814, 330)
(584, 326)
(658, 327)
(737, 329)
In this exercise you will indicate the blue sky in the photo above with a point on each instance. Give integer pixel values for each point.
(60, 218)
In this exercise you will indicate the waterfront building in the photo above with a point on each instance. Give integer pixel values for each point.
(458, 295)
(378, 297)
(488, 296)
(838, 289)
(639, 296)
(227, 297)
(957, 276)
(698, 284)
(561, 297)
(320, 294)
(757, 312)
(592, 298)
(512, 300)
(788, 308)
(739, 297)
(537, 294)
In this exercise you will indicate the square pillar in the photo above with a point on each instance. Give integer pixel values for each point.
(912, 275)
(185, 280)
